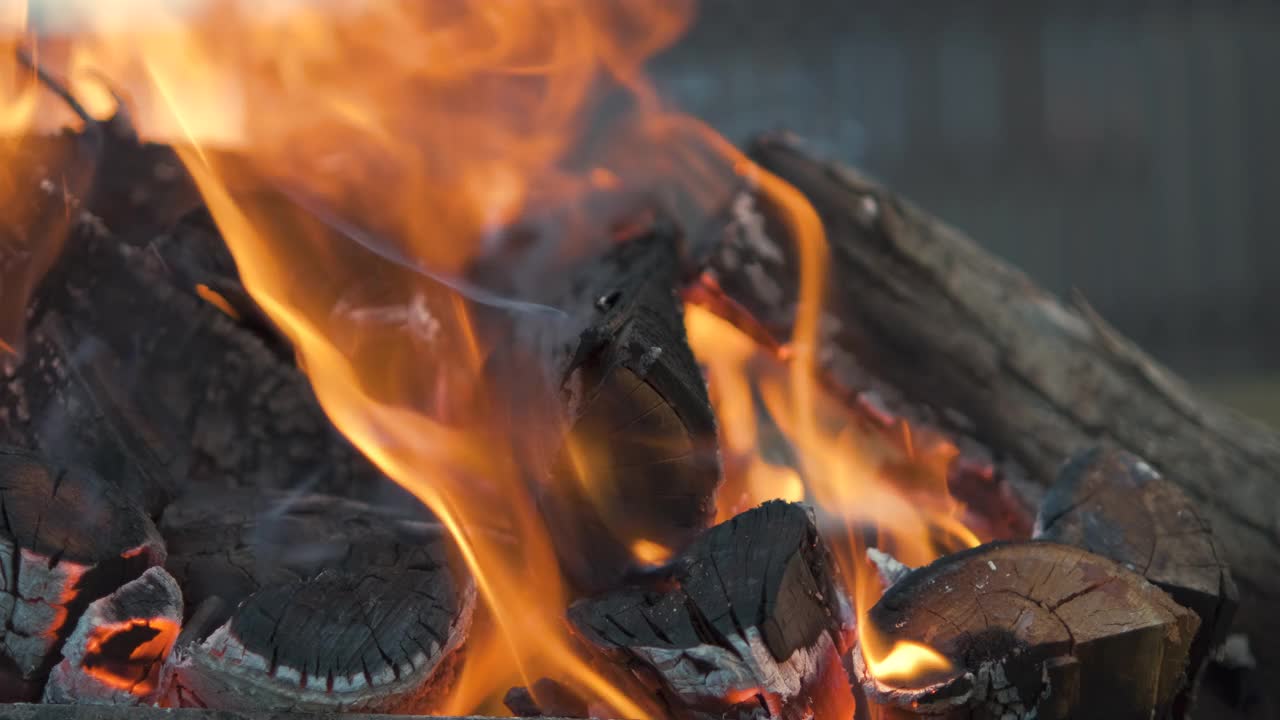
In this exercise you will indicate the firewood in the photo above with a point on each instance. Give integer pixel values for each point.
(1032, 630)
(328, 604)
(108, 712)
(632, 397)
(68, 536)
(120, 644)
(229, 545)
(64, 400)
(1112, 503)
(916, 306)
(750, 621)
(242, 416)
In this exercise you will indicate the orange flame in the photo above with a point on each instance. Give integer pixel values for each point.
(438, 123)
(138, 673)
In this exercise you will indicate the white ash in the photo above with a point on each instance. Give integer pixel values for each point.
(890, 569)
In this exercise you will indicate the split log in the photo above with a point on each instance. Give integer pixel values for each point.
(920, 308)
(243, 417)
(230, 545)
(67, 538)
(1114, 504)
(63, 399)
(1031, 630)
(329, 604)
(751, 623)
(119, 645)
(640, 460)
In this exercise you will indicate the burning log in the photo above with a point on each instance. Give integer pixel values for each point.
(115, 655)
(243, 417)
(917, 308)
(642, 437)
(64, 400)
(751, 620)
(108, 712)
(337, 605)
(1031, 630)
(1112, 503)
(68, 537)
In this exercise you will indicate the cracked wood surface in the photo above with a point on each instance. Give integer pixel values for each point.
(750, 621)
(1032, 629)
(67, 538)
(326, 603)
(915, 305)
(1113, 503)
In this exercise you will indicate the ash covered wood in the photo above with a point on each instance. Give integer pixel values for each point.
(120, 644)
(750, 623)
(1032, 630)
(68, 536)
(326, 604)
(108, 712)
(916, 306)
(641, 429)
(1113, 503)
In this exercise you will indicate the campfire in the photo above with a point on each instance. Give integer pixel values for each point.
(416, 357)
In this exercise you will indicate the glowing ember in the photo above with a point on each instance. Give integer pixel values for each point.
(147, 643)
(650, 553)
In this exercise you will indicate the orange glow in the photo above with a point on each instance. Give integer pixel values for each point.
(905, 661)
(650, 553)
(138, 673)
(212, 297)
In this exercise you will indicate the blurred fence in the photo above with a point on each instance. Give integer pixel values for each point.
(1128, 149)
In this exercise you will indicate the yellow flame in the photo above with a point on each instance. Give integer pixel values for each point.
(905, 661)
(651, 553)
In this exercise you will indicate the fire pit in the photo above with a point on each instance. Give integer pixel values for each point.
(415, 358)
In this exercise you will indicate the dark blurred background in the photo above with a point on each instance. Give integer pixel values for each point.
(1127, 149)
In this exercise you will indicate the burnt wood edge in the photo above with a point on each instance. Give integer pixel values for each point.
(927, 311)
(22, 711)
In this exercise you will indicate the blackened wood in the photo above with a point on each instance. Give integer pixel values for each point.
(244, 416)
(231, 544)
(64, 399)
(1032, 629)
(545, 697)
(377, 640)
(751, 619)
(1113, 503)
(120, 644)
(636, 405)
(329, 603)
(916, 304)
(68, 536)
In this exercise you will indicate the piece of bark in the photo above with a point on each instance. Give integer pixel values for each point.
(751, 623)
(642, 432)
(327, 604)
(120, 644)
(242, 415)
(63, 400)
(920, 307)
(67, 537)
(1032, 630)
(1113, 503)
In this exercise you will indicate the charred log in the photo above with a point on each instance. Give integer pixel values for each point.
(1114, 504)
(120, 644)
(107, 712)
(67, 537)
(315, 603)
(241, 415)
(1031, 630)
(751, 624)
(922, 310)
(641, 428)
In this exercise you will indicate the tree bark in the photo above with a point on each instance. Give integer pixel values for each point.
(915, 305)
